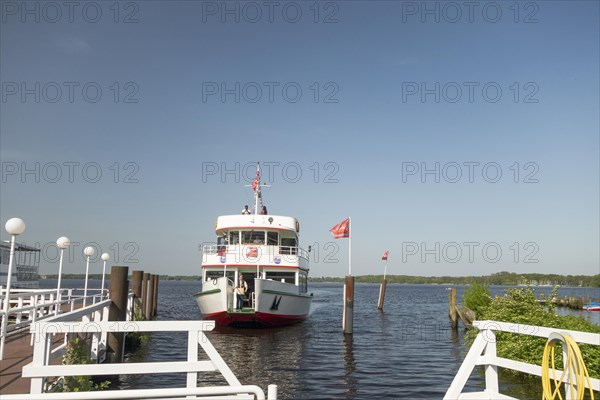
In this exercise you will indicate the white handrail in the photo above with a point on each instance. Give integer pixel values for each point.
(173, 393)
(483, 352)
(40, 368)
(32, 305)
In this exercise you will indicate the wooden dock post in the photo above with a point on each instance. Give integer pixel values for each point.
(136, 287)
(155, 296)
(381, 294)
(348, 313)
(452, 308)
(119, 286)
(150, 297)
(145, 292)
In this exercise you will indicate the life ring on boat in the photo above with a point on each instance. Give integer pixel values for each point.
(214, 281)
(297, 226)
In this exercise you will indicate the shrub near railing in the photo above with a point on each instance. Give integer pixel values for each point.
(521, 306)
(77, 353)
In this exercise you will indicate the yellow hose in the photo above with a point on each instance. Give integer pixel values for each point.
(574, 368)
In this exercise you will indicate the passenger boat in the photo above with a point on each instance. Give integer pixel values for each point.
(266, 250)
(592, 306)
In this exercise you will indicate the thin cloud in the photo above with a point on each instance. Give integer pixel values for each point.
(73, 45)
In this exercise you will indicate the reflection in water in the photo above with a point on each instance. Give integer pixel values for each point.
(350, 368)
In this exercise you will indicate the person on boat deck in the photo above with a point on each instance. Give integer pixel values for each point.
(245, 211)
(263, 211)
(241, 289)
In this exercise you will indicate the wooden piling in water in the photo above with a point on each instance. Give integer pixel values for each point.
(145, 292)
(155, 296)
(150, 298)
(381, 294)
(452, 308)
(136, 283)
(119, 287)
(348, 313)
(136, 287)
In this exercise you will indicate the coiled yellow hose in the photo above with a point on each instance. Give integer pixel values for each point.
(574, 368)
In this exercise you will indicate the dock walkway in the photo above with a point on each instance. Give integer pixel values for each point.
(17, 353)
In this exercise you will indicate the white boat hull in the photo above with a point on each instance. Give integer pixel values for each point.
(275, 303)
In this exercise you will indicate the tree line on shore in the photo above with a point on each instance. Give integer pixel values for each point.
(499, 278)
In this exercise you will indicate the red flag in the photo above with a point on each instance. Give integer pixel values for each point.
(256, 180)
(385, 255)
(341, 230)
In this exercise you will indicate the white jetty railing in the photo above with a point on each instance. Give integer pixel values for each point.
(40, 368)
(27, 306)
(483, 353)
(30, 305)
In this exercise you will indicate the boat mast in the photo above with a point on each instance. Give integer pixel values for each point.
(257, 190)
(257, 187)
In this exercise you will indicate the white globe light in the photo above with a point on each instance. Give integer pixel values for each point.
(105, 257)
(89, 251)
(63, 242)
(15, 226)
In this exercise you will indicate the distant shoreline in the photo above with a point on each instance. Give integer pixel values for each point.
(501, 278)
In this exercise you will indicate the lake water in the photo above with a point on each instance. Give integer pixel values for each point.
(408, 351)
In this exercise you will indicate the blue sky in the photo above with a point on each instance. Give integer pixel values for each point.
(129, 117)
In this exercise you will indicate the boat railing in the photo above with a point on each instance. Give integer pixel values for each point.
(41, 367)
(483, 353)
(241, 251)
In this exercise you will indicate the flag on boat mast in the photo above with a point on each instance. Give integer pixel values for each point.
(256, 180)
(342, 230)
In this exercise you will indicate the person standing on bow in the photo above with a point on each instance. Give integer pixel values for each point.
(241, 289)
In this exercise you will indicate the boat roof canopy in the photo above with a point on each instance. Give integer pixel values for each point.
(267, 222)
(18, 246)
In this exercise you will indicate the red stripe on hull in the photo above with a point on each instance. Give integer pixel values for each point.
(224, 318)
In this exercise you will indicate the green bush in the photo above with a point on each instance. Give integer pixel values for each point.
(77, 353)
(521, 306)
(477, 298)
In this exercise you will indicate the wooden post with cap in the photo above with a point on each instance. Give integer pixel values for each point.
(381, 294)
(348, 313)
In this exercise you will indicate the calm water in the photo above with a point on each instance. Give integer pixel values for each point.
(406, 352)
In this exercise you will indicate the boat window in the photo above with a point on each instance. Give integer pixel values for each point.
(234, 237)
(210, 275)
(253, 237)
(289, 277)
(288, 242)
(272, 238)
(288, 246)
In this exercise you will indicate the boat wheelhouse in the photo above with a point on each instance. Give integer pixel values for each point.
(265, 250)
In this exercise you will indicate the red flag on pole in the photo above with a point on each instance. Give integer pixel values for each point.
(341, 230)
(256, 180)
(385, 255)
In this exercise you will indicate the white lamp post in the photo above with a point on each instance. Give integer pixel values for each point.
(88, 251)
(63, 242)
(14, 227)
(105, 257)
